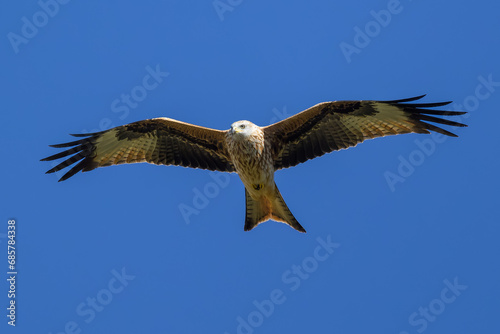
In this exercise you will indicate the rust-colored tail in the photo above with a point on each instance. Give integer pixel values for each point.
(259, 211)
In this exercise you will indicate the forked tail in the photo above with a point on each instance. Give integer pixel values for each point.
(275, 208)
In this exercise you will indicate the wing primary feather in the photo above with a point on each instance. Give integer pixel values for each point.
(67, 162)
(435, 112)
(438, 120)
(90, 134)
(73, 143)
(405, 100)
(437, 129)
(64, 153)
(75, 169)
(423, 105)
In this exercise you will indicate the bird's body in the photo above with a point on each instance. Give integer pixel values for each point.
(254, 152)
(252, 158)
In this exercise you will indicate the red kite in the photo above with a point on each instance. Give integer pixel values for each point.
(253, 152)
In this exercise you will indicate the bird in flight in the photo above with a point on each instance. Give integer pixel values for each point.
(254, 152)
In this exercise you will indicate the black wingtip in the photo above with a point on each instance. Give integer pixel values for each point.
(89, 134)
(409, 99)
(417, 105)
(439, 112)
(422, 113)
(438, 129)
(433, 119)
(79, 150)
(426, 105)
(69, 144)
(50, 171)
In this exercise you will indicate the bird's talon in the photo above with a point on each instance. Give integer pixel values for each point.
(258, 186)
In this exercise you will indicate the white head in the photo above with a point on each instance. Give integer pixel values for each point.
(243, 129)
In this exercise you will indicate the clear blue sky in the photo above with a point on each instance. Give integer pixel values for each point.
(110, 251)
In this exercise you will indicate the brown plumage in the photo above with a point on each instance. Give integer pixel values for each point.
(253, 152)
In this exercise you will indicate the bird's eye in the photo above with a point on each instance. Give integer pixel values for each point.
(242, 126)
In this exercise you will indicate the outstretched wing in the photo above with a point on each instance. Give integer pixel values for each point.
(331, 126)
(160, 141)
